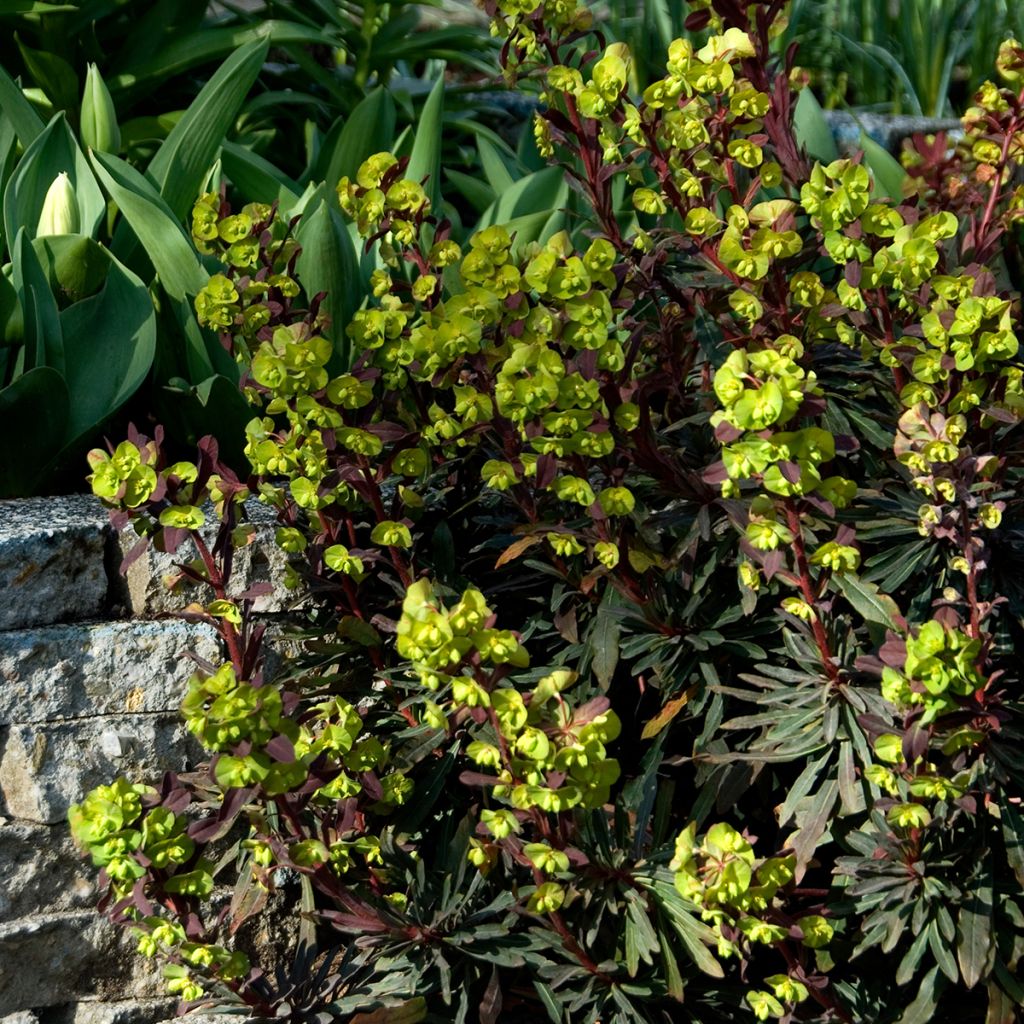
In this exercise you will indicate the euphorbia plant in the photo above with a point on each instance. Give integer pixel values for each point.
(702, 510)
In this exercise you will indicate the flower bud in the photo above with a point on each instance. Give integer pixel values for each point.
(99, 119)
(59, 215)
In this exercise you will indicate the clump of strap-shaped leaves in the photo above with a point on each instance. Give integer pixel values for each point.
(657, 581)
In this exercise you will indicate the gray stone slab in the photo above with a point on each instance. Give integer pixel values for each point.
(138, 1011)
(41, 869)
(110, 668)
(44, 769)
(51, 959)
(52, 560)
(262, 561)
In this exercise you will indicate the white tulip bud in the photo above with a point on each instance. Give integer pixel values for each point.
(60, 209)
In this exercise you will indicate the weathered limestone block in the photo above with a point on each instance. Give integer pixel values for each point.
(50, 959)
(138, 1011)
(44, 769)
(53, 554)
(112, 668)
(261, 562)
(40, 868)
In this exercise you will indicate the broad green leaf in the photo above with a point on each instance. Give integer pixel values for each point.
(182, 162)
(8, 150)
(188, 50)
(10, 313)
(12, 7)
(328, 263)
(425, 158)
(868, 601)
(478, 193)
(887, 171)
(155, 226)
(216, 406)
(34, 410)
(44, 343)
(54, 75)
(26, 121)
(976, 939)
(75, 266)
(369, 129)
(257, 179)
(109, 344)
(812, 130)
(53, 151)
(542, 192)
(494, 167)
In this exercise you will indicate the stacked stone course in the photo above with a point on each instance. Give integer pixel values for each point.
(92, 672)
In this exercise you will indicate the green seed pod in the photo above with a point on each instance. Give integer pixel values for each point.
(100, 130)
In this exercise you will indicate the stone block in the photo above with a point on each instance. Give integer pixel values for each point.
(51, 959)
(44, 769)
(53, 560)
(105, 669)
(137, 1011)
(40, 868)
(262, 561)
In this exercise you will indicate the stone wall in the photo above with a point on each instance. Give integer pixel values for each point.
(91, 675)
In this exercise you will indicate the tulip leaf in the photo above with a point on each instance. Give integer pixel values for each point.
(329, 263)
(44, 343)
(370, 129)
(182, 162)
(109, 344)
(33, 409)
(53, 74)
(812, 130)
(54, 151)
(155, 226)
(425, 157)
(889, 175)
(257, 179)
(18, 110)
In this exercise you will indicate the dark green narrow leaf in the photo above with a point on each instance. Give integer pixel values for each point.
(868, 601)
(1013, 837)
(976, 940)
(922, 1009)
(942, 953)
(814, 824)
(604, 645)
